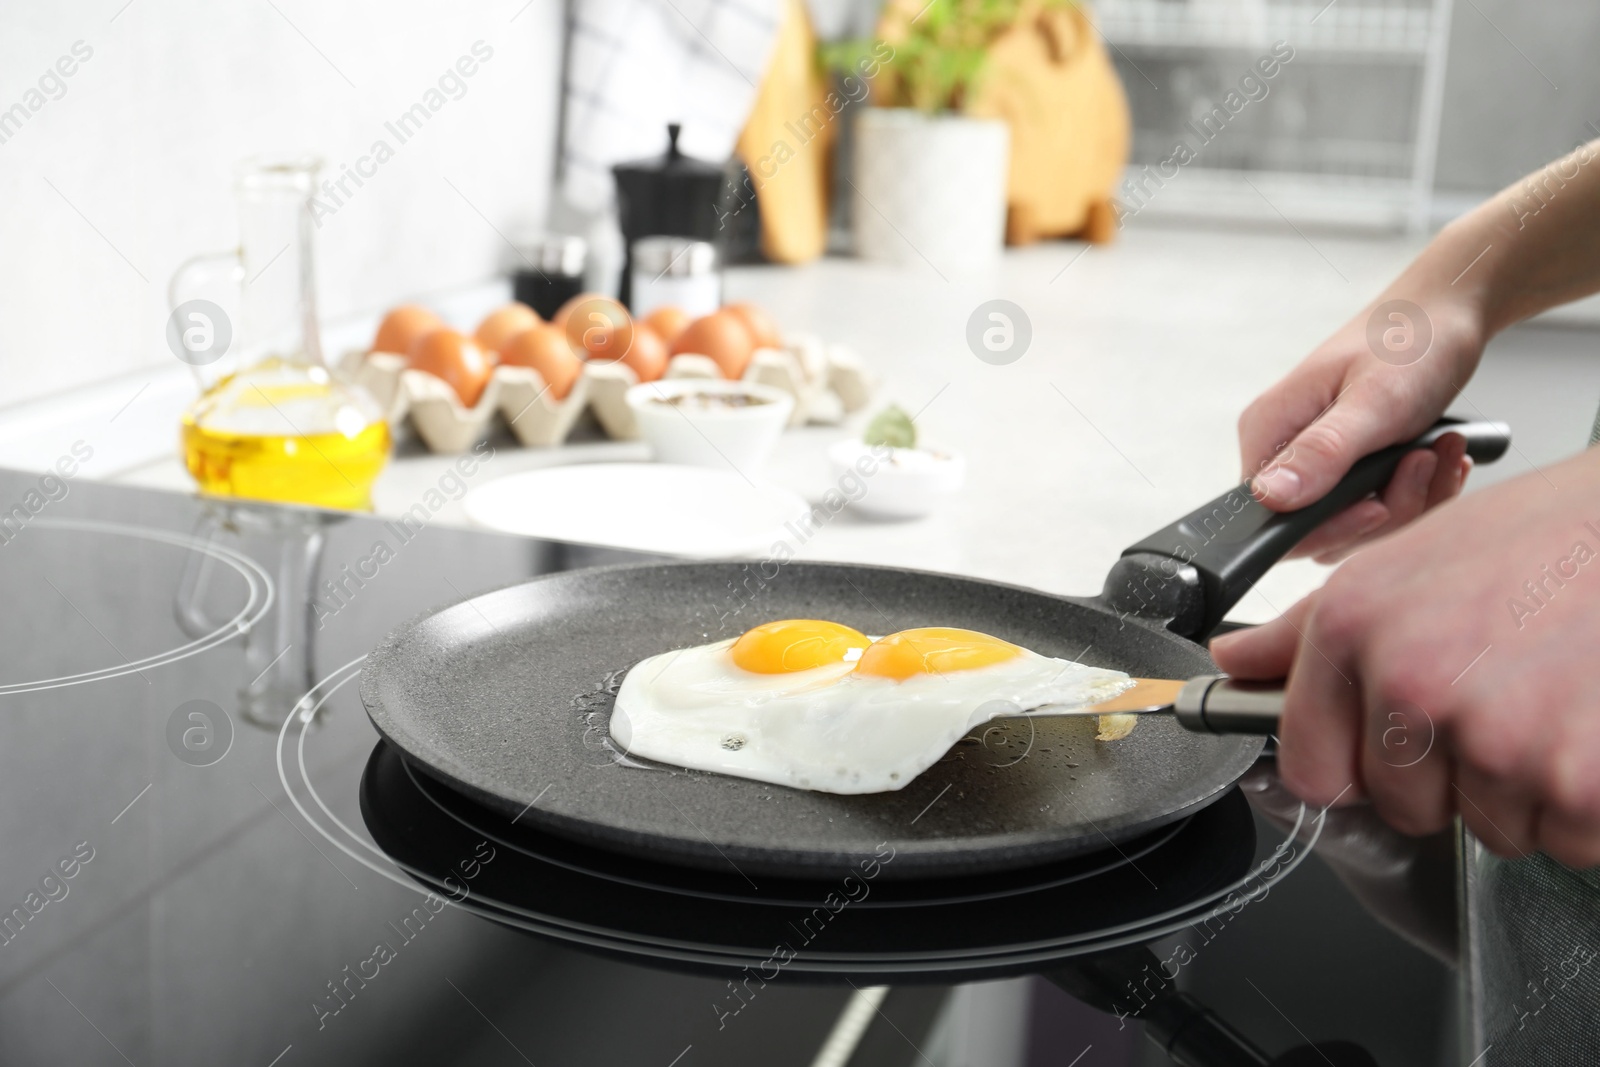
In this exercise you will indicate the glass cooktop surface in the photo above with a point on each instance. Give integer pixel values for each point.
(192, 872)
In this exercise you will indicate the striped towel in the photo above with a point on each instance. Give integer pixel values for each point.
(633, 66)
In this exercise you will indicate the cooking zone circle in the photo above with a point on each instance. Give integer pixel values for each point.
(257, 601)
(574, 893)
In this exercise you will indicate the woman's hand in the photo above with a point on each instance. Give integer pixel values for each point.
(1391, 371)
(1383, 378)
(1450, 668)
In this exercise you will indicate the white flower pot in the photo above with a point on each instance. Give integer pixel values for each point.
(930, 188)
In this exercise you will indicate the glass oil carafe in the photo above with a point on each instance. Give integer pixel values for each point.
(272, 423)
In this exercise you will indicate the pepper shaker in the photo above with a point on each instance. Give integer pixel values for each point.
(550, 272)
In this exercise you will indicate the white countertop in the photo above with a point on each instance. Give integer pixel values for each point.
(1118, 419)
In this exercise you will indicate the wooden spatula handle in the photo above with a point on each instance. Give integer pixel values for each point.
(1217, 704)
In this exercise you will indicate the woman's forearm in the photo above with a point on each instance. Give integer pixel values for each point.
(1530, 247)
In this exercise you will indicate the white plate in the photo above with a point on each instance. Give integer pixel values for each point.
(646, 507)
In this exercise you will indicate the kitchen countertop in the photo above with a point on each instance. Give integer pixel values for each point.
(1118, 418)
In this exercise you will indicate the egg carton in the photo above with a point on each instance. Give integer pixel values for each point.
(536, 418)
(446, 425)
(827, 382)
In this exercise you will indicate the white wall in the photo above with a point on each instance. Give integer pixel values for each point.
(143, 140)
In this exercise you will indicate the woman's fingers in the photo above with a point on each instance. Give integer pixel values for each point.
(1321, 734)
(1321, 710)
(1406, 495)
(1568, 839)
(1263, 652)
(1451, 473)
(1322, 453)
(1569, 816)
(1406, 769)
(1403, 500)
(1500, 815)
(1423, 480)
(1276, 417)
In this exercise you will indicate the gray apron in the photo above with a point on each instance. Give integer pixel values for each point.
(1532, 961)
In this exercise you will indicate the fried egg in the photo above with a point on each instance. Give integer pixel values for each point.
(817, 705)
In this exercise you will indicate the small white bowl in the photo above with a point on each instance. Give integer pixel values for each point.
(709, 435)
(905, 483)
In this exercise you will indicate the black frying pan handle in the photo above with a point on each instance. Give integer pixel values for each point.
(1195, 570)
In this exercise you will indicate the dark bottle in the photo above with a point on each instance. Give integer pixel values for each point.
(549, 272)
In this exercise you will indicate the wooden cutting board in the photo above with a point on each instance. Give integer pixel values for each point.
(787, 141)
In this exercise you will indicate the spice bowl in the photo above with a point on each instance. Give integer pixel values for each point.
(900, 483)
(710, 422)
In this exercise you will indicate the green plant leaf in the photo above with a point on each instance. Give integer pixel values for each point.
(944, 57)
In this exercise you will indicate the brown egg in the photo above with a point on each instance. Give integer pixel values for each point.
(402, 326)
(545, 349)
(759, 323)
(503, 324)
(724, 337)
(454, 359)
(607, 338)
(565, 310)
(668, 321)
(647, 356)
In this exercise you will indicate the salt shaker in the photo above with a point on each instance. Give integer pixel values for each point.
(675, 270)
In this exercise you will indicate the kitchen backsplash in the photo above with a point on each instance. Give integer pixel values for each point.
(121, 122)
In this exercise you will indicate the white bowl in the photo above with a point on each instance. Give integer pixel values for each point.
(721, 437)
(897, 483)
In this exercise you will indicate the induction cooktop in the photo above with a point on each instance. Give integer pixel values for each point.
(210, 858)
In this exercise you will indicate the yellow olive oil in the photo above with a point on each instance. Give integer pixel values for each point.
(286, 432)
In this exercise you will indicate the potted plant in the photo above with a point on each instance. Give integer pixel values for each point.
(929, 180)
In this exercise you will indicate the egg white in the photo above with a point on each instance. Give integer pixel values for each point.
(828, 728)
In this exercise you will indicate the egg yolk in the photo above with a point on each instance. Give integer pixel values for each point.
(795, 645)
(933, 650)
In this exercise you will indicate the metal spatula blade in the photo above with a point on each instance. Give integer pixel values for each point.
(1147, 695)
(1210, 703)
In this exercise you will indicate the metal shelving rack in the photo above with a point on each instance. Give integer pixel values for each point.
(1303, 174)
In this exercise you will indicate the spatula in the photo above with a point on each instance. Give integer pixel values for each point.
(1209, 704)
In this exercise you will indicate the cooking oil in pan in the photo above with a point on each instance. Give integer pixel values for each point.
(593, 711)
(286, 432)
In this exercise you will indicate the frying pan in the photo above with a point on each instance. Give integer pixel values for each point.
(506, 697)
